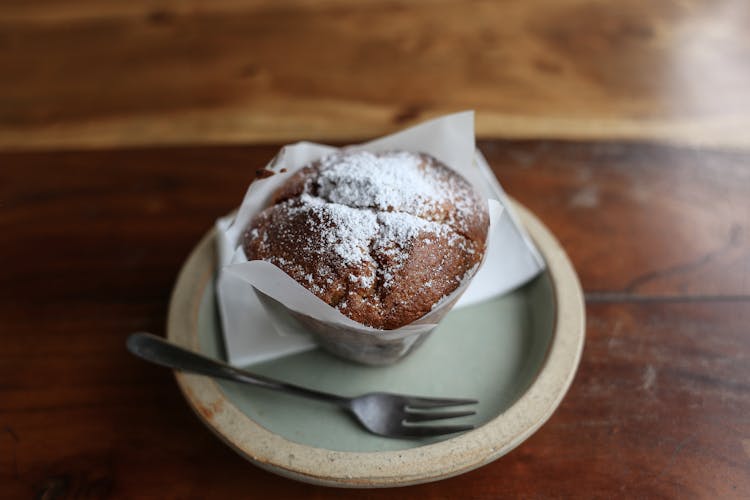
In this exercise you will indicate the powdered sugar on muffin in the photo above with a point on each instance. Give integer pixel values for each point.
(383, 237)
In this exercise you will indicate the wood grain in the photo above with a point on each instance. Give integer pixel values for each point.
(659, 409)
(102, 74)
(639, 220)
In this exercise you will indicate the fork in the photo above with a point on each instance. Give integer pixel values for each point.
(382, 413)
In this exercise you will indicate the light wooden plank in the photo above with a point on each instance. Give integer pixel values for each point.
(103, 74)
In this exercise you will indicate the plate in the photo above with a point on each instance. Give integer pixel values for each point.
(517, 354)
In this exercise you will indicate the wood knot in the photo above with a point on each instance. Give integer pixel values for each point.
(161, 16)
(407, 114)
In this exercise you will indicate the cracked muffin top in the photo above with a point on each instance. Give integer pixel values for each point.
(382, 237)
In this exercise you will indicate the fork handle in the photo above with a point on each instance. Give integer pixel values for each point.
(157, 350)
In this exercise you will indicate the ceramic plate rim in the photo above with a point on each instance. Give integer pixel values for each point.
(404, 467)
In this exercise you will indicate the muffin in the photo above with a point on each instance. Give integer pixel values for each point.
(382, 237)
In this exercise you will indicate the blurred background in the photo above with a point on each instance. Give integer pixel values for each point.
(87, 73)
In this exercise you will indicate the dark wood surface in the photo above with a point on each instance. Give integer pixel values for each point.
(660, 408)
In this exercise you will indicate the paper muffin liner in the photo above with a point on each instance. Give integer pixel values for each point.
(292, 309)
(372, 348)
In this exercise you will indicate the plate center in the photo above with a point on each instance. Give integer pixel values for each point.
(490, 351)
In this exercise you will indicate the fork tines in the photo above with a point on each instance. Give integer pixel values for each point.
(416, 417)
(412, 417)
(419, 403)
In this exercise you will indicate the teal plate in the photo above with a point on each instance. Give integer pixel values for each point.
(516, 354)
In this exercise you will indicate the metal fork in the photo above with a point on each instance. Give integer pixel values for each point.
(382, 413)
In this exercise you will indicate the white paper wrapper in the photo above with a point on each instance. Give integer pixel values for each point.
(284, 317)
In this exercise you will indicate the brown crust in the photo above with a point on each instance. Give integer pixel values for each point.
(421, 272)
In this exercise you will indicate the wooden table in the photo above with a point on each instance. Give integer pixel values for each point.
(126, 128)
(660, 407)
(91, 73)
